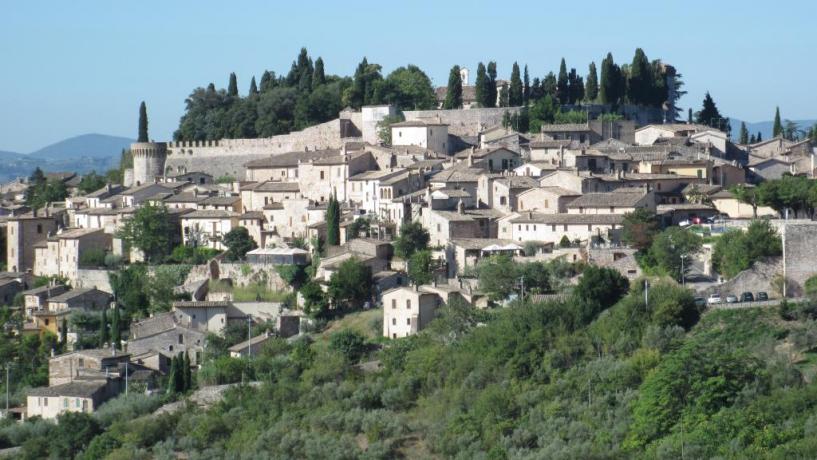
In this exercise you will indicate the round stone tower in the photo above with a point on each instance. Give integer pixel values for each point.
(148, 161)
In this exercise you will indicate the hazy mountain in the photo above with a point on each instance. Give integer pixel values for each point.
(86, 145)
(764, 127)
(80, 154)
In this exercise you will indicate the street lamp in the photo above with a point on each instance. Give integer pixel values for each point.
(683, 278)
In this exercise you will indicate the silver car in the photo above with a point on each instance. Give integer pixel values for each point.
(731, 298)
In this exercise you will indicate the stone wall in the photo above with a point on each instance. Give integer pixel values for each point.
(799, 254)
(88, 278)
(756, 279)
(463, 122)
(228, 156)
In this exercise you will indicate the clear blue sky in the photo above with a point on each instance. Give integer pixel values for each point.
(70, 68)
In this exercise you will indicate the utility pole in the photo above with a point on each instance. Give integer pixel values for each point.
(646, 295)
(126, 379)
(8, 366)
(683, 278)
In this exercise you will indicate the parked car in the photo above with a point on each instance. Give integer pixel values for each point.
(709, 220)
(684, 223)
(731, 298)
(714, 299)
(700, 302)
(747, 297)
(761, 296)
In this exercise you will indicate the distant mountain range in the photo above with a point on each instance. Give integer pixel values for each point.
(764, 127)
(80, 154)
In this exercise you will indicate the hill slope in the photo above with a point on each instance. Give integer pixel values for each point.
(85, 145)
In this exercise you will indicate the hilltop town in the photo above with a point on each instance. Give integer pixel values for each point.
(393, 222)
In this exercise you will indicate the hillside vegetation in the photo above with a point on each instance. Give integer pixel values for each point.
(599, 376)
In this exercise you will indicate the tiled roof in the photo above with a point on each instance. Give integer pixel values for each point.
(617, 198)
(75, 389)
(201, 304)
(569, 219)
(291, 159)
(210, 214)
(279, 187)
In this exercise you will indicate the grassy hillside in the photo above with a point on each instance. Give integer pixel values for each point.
(530, 381)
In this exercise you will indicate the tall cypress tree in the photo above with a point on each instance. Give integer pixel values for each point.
(515, 96)
(752, 139)
(332, 222)
(575, 87)
(709, 114)
(253, 87)
(562, 84)
(187, 376)
(143, 123)
(759, 137)
(232, 87)
(318, 77)
(172, 375)
(591, 86)
(103, 329)
(641, 79)
(453, 98)
(526, 86)
(492, 89)
(115, 336)
(744, 134)
(266, 81)
(480, 86)
(610, 86)
(178, 378)
(689, 115)
(504, 95)
(777, 129)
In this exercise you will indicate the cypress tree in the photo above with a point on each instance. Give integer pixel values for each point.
(562, 84)
(515, 92)
(480, 86)
(318, 77)
(759, 137)
(777, 129)
(253, 87)
(503, 95)
(103, 329)
(689, 115)
(266, 81)
(640, 81)
(178, 378)
(332, 222)
(591, 86)
(709, 114)
(232, 87)
(172, 375)
(744, 134)
(143, 123)
(610, 86)
(526, 87)
(115, 337)
(492, 90)
(575, 87)
(64, 333)
(752, 139)
(453, 98)
(186, 374)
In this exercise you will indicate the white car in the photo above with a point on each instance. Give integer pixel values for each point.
(714, 299)
(684, 223)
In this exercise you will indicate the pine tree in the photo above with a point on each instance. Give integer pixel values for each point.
(332, 222)
(491, 85)
(777, 129)
(143, 123)
(515, 91)
(232, 87)
(253, 87)
(453, 98)
(591, 86)
(526, 87)
(562, 84)
(480, 86)
(318, 77)
(115, 335)
(103, 329)
(172, 375)
(744, 134)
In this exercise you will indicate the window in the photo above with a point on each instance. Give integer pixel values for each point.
(394, 303)
(612, 209)
(408, 304)
(65, 403)
(438, 227)
(553, 227)
(321, 177)
(81, 363)
(45, 401)
(394, 321)
(589, 227)
(181, 339)
(408, 321)
(39, 228)
(700, 174)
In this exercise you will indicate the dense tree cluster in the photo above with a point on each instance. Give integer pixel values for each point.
(737, 250)
(305, 96)
(41, 190)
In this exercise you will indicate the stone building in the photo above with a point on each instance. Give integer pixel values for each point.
(407, 310)
(24, 232)
(551, 228)
(207, 227)
(421, 133)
